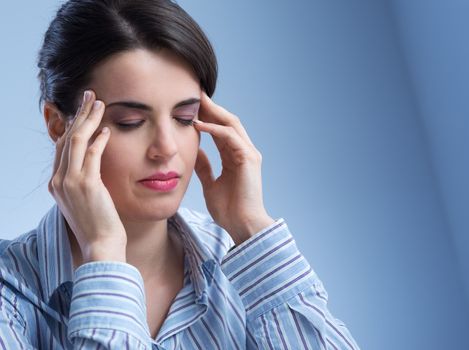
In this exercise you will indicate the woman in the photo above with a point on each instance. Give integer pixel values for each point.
(116, 263)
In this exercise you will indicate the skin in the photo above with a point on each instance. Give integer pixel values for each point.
(110, 215)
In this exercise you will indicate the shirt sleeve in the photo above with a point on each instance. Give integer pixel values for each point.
(108, 307)
(285, 301)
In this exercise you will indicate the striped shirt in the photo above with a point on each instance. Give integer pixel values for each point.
(261, 294)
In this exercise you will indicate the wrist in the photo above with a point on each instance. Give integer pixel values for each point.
(251, 227)
(104, 252)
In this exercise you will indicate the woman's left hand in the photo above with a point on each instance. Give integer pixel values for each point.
(234, 199)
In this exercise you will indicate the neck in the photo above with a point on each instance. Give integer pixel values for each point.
(151, 248)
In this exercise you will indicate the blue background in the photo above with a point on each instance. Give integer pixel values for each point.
(360, 110)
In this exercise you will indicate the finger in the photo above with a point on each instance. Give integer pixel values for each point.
(92, 163)
(211, 112)
(61, 149)
(79, 141)
(224, 136)
(59, 144)
(81, 114)
(58, 155)
(203, 169)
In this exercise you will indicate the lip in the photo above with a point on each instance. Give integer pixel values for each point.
(160, 176)
(161, 185)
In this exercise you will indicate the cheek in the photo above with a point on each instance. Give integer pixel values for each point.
(115, 159)
(191, 148)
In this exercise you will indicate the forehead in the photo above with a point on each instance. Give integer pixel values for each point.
(148, 76)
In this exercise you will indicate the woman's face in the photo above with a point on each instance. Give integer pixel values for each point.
(157, 139)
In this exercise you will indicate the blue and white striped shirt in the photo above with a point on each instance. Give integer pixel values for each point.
(261, 294)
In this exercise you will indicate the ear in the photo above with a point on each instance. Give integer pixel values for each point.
(55, 121)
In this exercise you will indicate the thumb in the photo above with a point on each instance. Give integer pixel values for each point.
(203, 169)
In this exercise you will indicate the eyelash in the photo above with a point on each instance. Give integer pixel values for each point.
(184, 122)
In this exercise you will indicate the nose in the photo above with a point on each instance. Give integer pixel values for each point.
(163, 141)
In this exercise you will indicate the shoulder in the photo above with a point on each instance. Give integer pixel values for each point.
(19, 258)
(214, 237)
(19, 247)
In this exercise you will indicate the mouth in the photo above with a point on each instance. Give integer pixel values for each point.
(161, 182)
(161, 185)
(160, 176)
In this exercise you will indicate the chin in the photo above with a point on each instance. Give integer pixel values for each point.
(150, 212)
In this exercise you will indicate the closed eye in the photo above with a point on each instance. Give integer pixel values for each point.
(127, 126)
(185, 122)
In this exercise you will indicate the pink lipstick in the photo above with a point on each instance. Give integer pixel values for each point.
(161, 182)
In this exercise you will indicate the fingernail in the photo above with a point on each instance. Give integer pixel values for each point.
(196, 121)
(97, 104)
(87, 96)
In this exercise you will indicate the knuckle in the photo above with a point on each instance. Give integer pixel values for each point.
(50, 187)
(68, 182)
(93, 150)
(259, 156)
(87, 185)
(254, 157)
(235, 119)
(55, 182)
(76, 138)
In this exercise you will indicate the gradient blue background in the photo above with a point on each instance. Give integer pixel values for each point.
(360, 110)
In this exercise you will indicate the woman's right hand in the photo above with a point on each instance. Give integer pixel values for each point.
(79, 191)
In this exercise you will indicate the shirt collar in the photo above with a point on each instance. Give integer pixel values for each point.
(201, 262)
(55, 259)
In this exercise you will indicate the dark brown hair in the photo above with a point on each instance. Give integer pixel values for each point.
(85, 32)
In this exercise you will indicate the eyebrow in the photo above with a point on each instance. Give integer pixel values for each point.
(147, 108)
